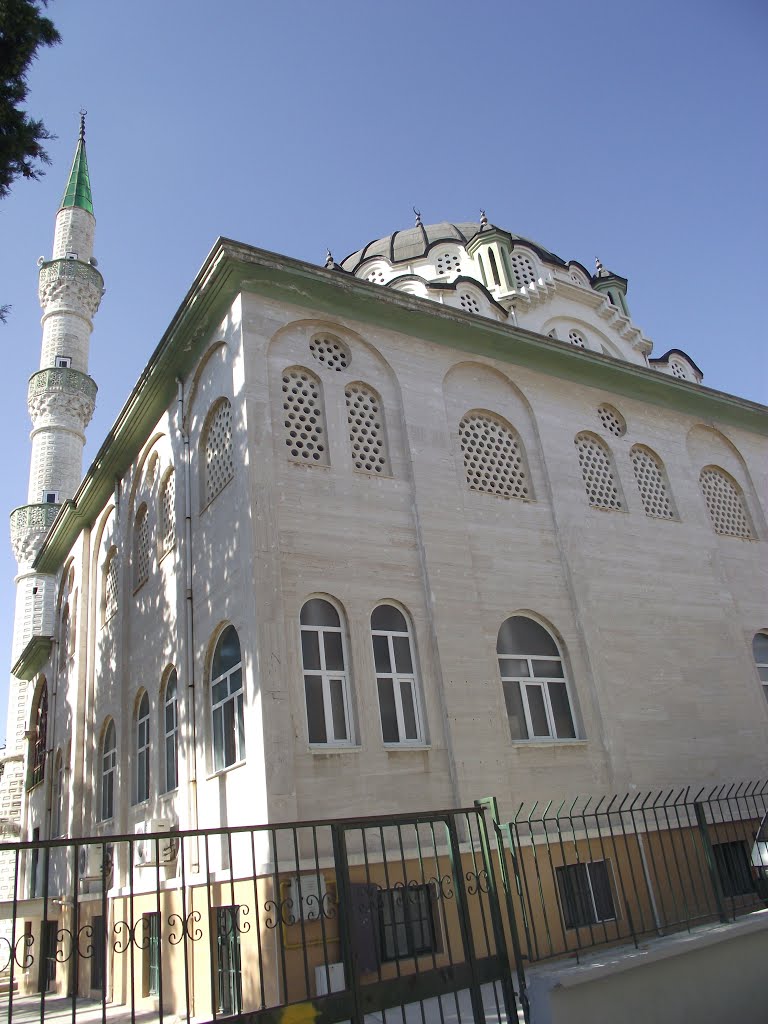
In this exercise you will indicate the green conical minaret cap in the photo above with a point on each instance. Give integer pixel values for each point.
(78, 191)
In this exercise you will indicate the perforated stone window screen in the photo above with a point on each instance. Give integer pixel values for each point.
(577, 338)
(552, 334)
(151, 470)
(111, 579)
(522, 268)
(304, 417)
(725, 503)
(447, 263)
(597, 472)
(651, 482)
(469, 302)
(375, 276)
(494, 460)
(219, 458)
(330, 351)
(578, 279)
(678, 370)
(612, 420)
(141, 547)
(366, 429)
(168, 512)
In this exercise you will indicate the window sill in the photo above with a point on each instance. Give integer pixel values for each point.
(224, 771)
(397, 748)
(334, 748)
(541, 743)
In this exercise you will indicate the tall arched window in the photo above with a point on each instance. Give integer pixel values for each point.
(651, 482)
(39, 737)
(108, 772)
(395, 664)
(533, 678)
(141, 750)
(760, 652)
(171, 732)
(326, 688)
(304, 417)
(168, 512)
(228, 723)
(494, 460)
(111, 579)
(141, 548)
(725, 503)
(217, 461)
(365, 421)
(57, 796)
(597, 471)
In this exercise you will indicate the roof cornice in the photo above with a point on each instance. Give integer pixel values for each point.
(233, 267)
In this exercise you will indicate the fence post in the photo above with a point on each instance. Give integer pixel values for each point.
(344, 905)
(465, 924)
(709, 854)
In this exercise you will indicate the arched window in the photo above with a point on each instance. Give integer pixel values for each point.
(168, 512)
(140, 548)
(171, 732)
(760, 652)
(108, 772)
(65, 642)
(325, 674)
(217, 462)
(304, 417)
(494, 459)
(533, 678)
(39, 737)
(522, 268)
(651, 482)
(57, 796)
(395, 664)
(597, 472)
(366, 429)
(611, 420)
(725, 503)
(141, 750)
(111, 579)
(228, 723)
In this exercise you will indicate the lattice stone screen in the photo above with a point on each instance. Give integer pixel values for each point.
(612, 420)
(649, 474)
(725, 503)
(597, 472)
(494, 460)
(577, 339)
(678, 370)
(366, 429)
(330, 351)
(522, 268)
(141, 547)
(375, 276)
(111, 579)
(219, 459)
(448, 262)
(168, 512)
(469, 302)
(303, 417)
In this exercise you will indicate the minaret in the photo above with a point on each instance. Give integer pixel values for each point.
(61, 399)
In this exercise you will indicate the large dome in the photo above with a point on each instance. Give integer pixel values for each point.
(414, 243)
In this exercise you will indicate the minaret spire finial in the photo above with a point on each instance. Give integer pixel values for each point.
(483, 220)
(330, 263)
(82, 124)
(418, 217)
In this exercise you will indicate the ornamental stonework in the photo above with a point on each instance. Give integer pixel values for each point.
(29, 526)
(56, 394)
(70, 284)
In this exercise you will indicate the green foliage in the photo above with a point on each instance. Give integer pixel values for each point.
(23, 29)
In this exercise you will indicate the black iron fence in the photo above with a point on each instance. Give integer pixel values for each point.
(592, 872)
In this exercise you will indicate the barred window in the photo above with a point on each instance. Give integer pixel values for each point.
(111, 580)
(522, 268)
(494, 459)
(366, 429)
(612, 420)
(304, 417)
(585, 893)
(168, 512)
(597, 472)
(141, 548)
(651, 482)
(725, 503)
(218, 462)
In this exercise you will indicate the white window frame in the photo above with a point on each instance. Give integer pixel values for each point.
(542, 682)
(761, 666)
(108, 772)
(142, 751)
(327, 677)
(237, 697)
(171, 735)
(587, 865)
(397, 678)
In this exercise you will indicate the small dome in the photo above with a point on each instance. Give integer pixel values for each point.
(414, 243)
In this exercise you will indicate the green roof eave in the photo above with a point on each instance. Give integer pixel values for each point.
(33, 657)
(233, 267)
(78, 191)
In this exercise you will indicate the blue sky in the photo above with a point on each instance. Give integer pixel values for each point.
(633, 131)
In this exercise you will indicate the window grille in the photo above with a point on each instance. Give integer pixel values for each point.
(108, 772)
(227, 714)
(725, 503)
(522, 268)
(142, 750)
(406, 922)
(469, 302)
(217, 444)
(366, 429)
(448, 263)
(612, 420)
(585, 893)
(151, 946)
(649, 474)
(330, 351)
(494, 460)
(760, 653)
(533, 680)
(141, 548)
(111, 579)
(597, 472)
(325, 674)
(229, 984)
(395, 676)
(168, 512)
(577, 338)
(304, 417)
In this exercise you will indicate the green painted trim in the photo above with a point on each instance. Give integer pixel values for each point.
(78, 191)
(33, 657)
(232, 267)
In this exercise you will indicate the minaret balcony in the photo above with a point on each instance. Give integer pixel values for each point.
(69, 283)
(29, 525)
(59, 389)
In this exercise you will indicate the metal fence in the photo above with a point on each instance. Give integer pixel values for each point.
(395, 916)
(593, 872)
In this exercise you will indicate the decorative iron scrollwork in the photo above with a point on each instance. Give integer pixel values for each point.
(477, 881)
(188, 928)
